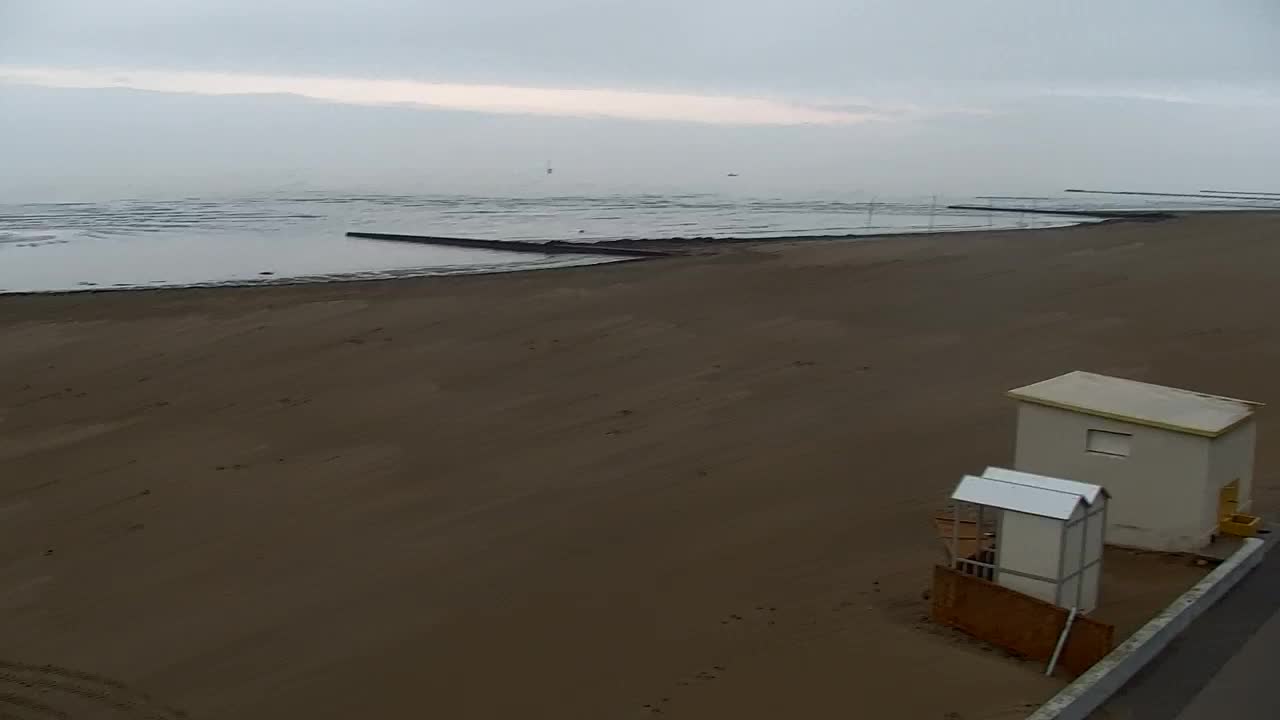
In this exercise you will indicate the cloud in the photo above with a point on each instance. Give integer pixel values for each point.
(501, 99)
(934, 51)
(1220, 95)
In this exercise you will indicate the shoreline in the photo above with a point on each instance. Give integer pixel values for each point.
(703, 485)
(669, 246)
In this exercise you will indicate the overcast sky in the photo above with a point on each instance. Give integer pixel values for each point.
(876, 95)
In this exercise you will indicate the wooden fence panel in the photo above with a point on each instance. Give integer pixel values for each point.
(1025, 626)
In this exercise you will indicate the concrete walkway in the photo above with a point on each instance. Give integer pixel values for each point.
(1223, 665)
(1248, 682)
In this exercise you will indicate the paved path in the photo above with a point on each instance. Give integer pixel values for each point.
(1224, 665)
(1250, 677)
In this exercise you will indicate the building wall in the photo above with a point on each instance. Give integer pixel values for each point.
(1231, 458)
(1093, 543)
(1158, 492)
(1072, 560)
(1029, 544)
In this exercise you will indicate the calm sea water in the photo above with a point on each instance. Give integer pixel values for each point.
(275, 238)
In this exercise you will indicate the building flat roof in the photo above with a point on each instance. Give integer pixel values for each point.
(1138, 402)
(1087, 491)
(1018, 498)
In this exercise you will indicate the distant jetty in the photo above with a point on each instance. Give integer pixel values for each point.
(551, 247)
(1150, 215)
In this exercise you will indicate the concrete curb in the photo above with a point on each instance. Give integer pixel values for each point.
(1089, 691)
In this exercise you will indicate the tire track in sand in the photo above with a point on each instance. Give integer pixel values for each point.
(34, 706)
(39, 691)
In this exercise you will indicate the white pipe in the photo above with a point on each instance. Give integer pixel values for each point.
(1062, 640)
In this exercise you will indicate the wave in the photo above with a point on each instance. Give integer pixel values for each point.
(32, 239)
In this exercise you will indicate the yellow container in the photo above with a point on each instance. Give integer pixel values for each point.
(1239, 525)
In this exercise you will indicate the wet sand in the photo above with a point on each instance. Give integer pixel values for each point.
(694, 488)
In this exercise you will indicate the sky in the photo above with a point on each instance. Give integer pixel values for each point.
(856, 96)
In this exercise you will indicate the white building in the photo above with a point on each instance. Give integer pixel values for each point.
(1049, 534)
(1176, 463)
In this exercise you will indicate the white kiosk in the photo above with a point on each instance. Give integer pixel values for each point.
(1048, 534)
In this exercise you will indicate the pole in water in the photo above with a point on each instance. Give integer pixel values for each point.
(871, 211)
(933, 208)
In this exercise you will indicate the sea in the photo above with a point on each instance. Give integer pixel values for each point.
(301, 236)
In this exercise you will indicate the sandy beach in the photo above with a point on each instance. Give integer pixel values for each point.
(697, 487)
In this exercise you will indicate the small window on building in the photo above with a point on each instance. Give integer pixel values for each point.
(1108, 443)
